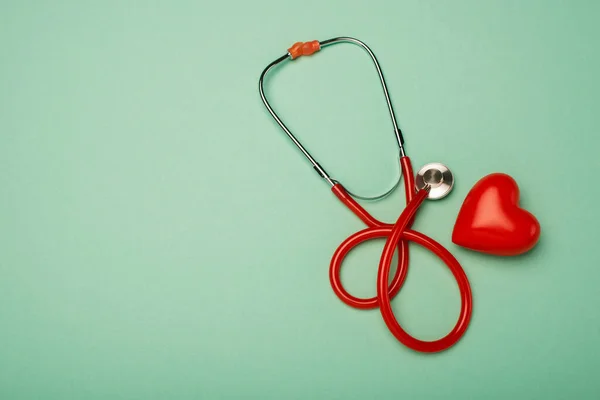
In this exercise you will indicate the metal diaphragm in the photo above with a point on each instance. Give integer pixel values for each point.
(439, 178)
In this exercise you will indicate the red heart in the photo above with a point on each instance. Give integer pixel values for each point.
(491, 221)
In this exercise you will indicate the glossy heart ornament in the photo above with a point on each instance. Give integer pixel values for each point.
(491, 221)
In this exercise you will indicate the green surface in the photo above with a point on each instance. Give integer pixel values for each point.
(160, 238)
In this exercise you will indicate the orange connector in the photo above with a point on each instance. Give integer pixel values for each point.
(304, 48)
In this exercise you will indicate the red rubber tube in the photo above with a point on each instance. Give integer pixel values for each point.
(375, 229)
(398, 236)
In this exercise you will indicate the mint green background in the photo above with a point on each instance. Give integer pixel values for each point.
(160, 238)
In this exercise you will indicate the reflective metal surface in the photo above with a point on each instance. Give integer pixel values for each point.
(438, 177)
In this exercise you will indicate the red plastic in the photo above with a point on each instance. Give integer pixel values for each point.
(398, 236)
(299, 49)
(491, 221)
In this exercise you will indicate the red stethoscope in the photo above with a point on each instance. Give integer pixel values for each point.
(434, 183)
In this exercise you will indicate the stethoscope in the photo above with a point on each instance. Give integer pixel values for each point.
(433, 181)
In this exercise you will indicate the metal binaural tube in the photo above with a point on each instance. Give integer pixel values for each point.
(315, 46)
(397, 131)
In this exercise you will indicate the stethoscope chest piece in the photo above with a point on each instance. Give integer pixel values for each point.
(439, 178)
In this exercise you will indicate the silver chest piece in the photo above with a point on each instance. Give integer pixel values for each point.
(438, 176)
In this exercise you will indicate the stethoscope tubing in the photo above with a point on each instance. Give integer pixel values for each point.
(397, 237)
